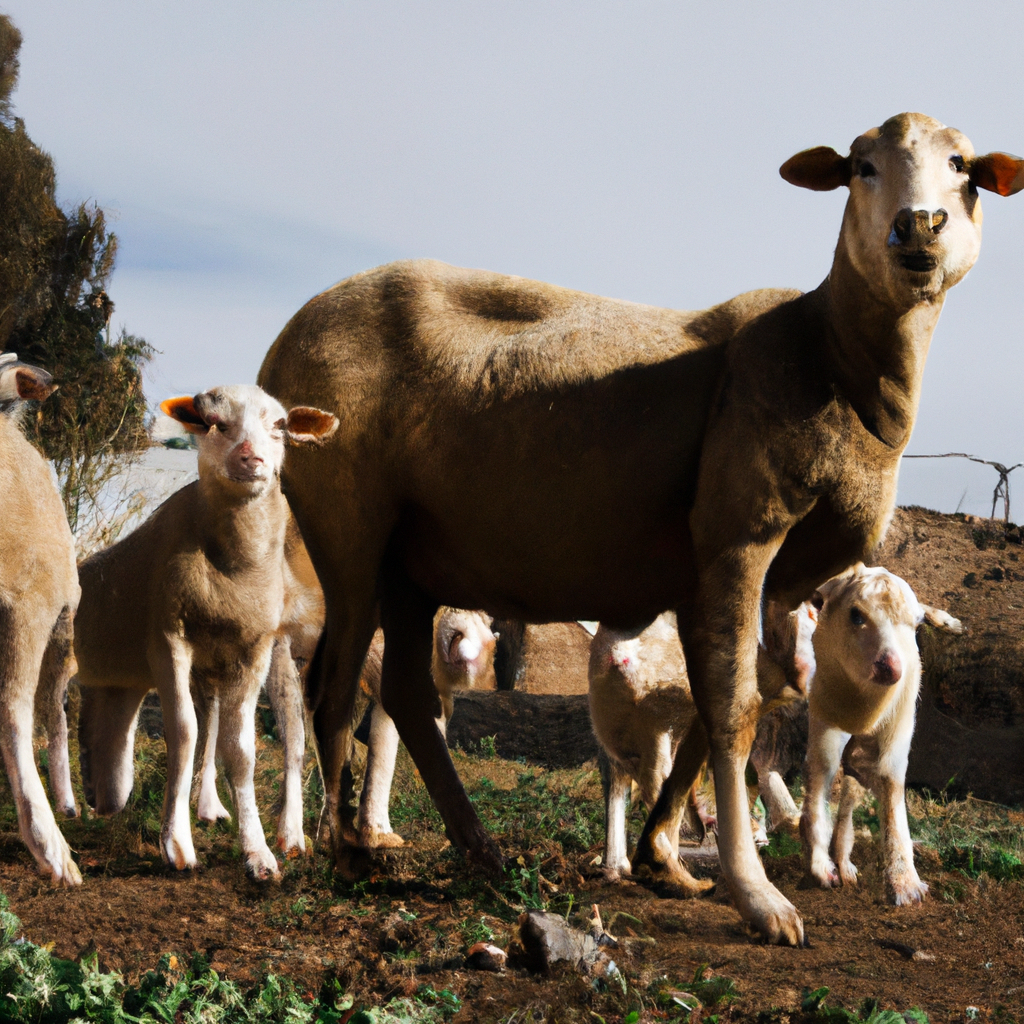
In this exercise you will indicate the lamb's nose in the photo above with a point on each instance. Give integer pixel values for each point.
(887, 669)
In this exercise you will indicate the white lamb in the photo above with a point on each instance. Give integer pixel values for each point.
(861, 711)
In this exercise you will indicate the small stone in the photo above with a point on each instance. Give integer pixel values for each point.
(546, 939)
(485, 957)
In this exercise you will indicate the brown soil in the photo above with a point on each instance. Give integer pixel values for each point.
(409, 921)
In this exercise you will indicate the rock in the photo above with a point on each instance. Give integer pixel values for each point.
(484, 957)
(547, 938)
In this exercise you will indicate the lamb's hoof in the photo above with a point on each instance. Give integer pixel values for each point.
(213, 814)
(770, 914)
(292, 846)
(375, 839)
(180, 854)
(905, 889)
(70, 811)
(63, 871)
(262, 866)
(848, 874)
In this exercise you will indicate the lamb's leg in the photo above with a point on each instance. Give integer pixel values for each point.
(409, 696)
(824, 753)
(21, 658)
(284, 688)
(237, 747)
(902, 883)
(51, 701)
(842, 834)
(107, 719)
(783, 813)
(208, 803)
(381, 751)
(171, 666)
(616, 860)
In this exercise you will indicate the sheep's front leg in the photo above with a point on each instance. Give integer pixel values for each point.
(720, 639)
(381, 751)
(20, 660)
(284, 688)
(237, 747)
(825, 747)
(171, 665)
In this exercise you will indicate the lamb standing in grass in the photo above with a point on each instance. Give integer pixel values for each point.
(861, 712)
(38, 595)
(194, 596)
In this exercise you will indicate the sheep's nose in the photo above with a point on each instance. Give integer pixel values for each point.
(887, 669)
(908, 223)
(246, 454)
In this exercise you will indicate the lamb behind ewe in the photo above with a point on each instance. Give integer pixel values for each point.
(861, 711)
(641, 710)
(38, 595)
(194, 597)
(463, 657)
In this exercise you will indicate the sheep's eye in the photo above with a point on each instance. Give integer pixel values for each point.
(857, 617)
(867, 169)
(957, 163)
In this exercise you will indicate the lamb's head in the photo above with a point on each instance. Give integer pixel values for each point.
(242, 433)
(912, 226)
(20, 382)
(465, 643)
(867, 620)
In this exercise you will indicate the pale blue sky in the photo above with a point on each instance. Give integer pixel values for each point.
(251, 154)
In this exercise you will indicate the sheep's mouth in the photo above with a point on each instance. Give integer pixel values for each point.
(918, 262)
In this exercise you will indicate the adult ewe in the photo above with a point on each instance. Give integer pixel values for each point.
(548, 455)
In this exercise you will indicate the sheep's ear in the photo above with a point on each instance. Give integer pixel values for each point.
(33, 383)
(307, 425)
(998, 172)
(940, 620)
(817, 600)
(184, 411)
(821, 169)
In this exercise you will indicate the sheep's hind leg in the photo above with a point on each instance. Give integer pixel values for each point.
(411, 700)
(284, 688)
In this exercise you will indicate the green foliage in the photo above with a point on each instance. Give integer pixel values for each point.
(40, 988)
(781, 844)
(55, 267)
(816, 1009)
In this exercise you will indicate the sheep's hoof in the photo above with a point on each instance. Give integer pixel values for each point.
(905, 889)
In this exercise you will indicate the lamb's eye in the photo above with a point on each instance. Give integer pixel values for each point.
(857, 616)
(956, 161)
(867, 169)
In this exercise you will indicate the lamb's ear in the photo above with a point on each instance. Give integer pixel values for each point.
(821, 169)
(940, 620)
(998, 172)
(307, 425)
(32, 382)
(184, 411)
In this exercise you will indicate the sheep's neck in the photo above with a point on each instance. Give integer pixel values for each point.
(241, 529)
(877, 351)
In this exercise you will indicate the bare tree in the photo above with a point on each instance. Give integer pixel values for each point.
(1002, 488)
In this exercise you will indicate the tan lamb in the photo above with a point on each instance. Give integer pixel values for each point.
(641, 709)
(861, 715)
(38, 596)
(193, 598)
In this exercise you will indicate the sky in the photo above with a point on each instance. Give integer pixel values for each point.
(250, 155)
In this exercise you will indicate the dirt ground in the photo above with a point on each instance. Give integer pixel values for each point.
(410, 920)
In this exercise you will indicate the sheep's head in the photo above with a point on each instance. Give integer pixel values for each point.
(242, 433)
